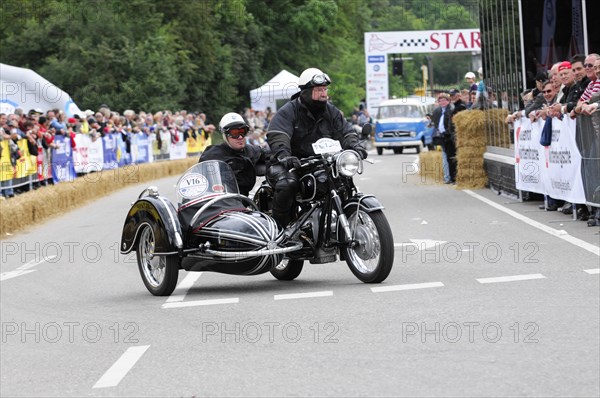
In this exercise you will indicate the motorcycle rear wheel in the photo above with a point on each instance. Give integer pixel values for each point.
(159, 273)
(288, 269)
(371, 260)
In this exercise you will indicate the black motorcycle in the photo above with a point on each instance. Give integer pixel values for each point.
(333, 217)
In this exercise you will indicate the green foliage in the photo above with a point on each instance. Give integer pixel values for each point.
(206, 55)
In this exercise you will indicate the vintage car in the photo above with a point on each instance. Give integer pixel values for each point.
(403, 123)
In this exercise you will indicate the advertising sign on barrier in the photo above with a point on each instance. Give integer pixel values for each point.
(62, 160)
(554, 170)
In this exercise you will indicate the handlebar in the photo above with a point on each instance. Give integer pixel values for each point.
(305, 162)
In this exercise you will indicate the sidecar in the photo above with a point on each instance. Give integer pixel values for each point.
(212, 228)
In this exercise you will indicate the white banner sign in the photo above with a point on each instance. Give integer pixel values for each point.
(554, 170)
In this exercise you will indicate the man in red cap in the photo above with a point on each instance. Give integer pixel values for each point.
(578, 87)
(567, 78)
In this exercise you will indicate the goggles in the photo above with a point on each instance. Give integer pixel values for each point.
(236, 132)
(320, 80)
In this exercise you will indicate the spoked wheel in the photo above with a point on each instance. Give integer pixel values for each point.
(371, 259)
(159, 273)
(287, 269)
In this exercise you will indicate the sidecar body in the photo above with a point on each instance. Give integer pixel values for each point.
(212, 227)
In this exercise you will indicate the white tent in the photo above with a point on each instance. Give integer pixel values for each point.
(25, 89)
(280, 87)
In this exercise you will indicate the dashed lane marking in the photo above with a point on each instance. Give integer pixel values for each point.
(512, 278)
(119, 370)
(292, 296)
(24, 269)
(183, 287)
(593, 271)
(181, 304)
(381, 289)
(406, 287)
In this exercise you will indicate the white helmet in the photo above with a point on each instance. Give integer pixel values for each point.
(313, 77)
(470, 75)
(232, 120)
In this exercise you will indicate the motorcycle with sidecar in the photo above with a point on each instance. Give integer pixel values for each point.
(214, 228)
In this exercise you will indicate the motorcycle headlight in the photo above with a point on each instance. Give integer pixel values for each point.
(348, 163)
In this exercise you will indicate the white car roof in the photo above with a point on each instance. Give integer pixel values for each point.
(411, 100)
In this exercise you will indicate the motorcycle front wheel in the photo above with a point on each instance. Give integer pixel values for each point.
(159, 273)
(287, 269)
(372, 257)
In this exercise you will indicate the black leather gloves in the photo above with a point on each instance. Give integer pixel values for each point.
(289, 162)
(361, 151)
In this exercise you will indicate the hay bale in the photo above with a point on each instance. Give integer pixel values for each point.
(430, 166)
(471, 145)
(33, 207)
(470, 126)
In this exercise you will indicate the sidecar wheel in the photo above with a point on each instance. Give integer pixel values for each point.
(371, 259)
(159, 273)
(288, 269)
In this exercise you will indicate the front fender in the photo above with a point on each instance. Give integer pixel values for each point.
(368, 203)
(160, 214)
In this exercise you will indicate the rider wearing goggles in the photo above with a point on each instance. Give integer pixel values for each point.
(236, 132)
(243, 158)
(318, 79)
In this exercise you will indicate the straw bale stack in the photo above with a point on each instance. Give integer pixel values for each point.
(430, 166)
(471, 145)
(472, 129)
(33, 207)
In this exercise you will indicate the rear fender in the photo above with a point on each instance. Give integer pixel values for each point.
(160, 214)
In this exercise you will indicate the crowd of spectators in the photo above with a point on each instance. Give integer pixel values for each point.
(568, 89)
(39, 129)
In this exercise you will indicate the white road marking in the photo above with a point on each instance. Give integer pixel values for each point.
(511, 278)
(24, 269)
(593, 271)
(183, 287)
(559, 233)
(196, 303)
(406, 287)
(119, 370)
(302, 295)
(13, 274)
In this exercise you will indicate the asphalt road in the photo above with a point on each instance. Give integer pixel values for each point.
(488, 297)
